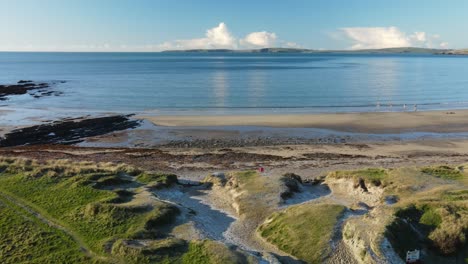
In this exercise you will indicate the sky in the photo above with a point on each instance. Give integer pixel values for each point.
(155, 25)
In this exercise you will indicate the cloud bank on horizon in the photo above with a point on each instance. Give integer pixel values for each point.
(390, 37)
(220, 37)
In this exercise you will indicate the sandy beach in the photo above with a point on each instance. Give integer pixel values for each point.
(370, 122)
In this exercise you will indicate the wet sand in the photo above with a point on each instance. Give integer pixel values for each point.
(453, 121)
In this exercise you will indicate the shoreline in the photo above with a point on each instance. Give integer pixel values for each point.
(208, 131)
(447, 121)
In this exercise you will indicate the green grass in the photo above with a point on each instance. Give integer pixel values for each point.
(168, 250)
(375, 176)
(444, 172)
(211, 252)
(430, 217)
(257, 195)
(68, 195)
(157, 179)
(453, 196)
(62, 200)
(24, 238)
(303, 231)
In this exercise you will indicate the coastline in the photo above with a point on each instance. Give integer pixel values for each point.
(211, 131)
(447, 121)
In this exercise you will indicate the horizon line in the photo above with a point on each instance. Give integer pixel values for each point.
(223, 50)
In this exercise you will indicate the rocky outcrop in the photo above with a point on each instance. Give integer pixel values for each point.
(292, 183)
(68, 131)
(36, 90)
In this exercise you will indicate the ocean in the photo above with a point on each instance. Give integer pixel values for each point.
(228, 83)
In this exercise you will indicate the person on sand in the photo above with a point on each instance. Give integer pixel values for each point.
(415, 107)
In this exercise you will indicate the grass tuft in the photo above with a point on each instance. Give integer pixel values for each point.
(444, 172)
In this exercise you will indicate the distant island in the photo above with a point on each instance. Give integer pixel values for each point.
(403, 50)
(456, 52)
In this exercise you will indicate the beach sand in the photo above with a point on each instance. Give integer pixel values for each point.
(453, 121)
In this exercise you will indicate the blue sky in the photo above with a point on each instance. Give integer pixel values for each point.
(152, 25)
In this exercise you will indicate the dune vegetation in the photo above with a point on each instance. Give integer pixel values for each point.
(303, 231)
(436, 219)
(429, 209)
(86, 212)
(62, 211)
(24, 238)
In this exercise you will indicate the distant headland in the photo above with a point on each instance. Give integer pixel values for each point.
(402, 50)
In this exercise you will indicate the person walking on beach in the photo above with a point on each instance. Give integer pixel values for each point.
(415, 107)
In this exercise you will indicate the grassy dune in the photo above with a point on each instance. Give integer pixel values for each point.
(71, 200)
(61, 211)
(375, 176)
(66, 212)
(303, 231)
(210, 252)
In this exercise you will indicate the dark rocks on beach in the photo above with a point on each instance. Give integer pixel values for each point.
(225, 143)
(36, 90)
(68, 131)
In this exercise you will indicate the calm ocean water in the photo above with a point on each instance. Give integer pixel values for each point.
(231, 83)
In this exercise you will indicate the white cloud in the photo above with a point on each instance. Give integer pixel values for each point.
(376, 37)
(259, 39)
(220, 37)
(293, 45)
(388, 37)
(419, 36)
(444, 45)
